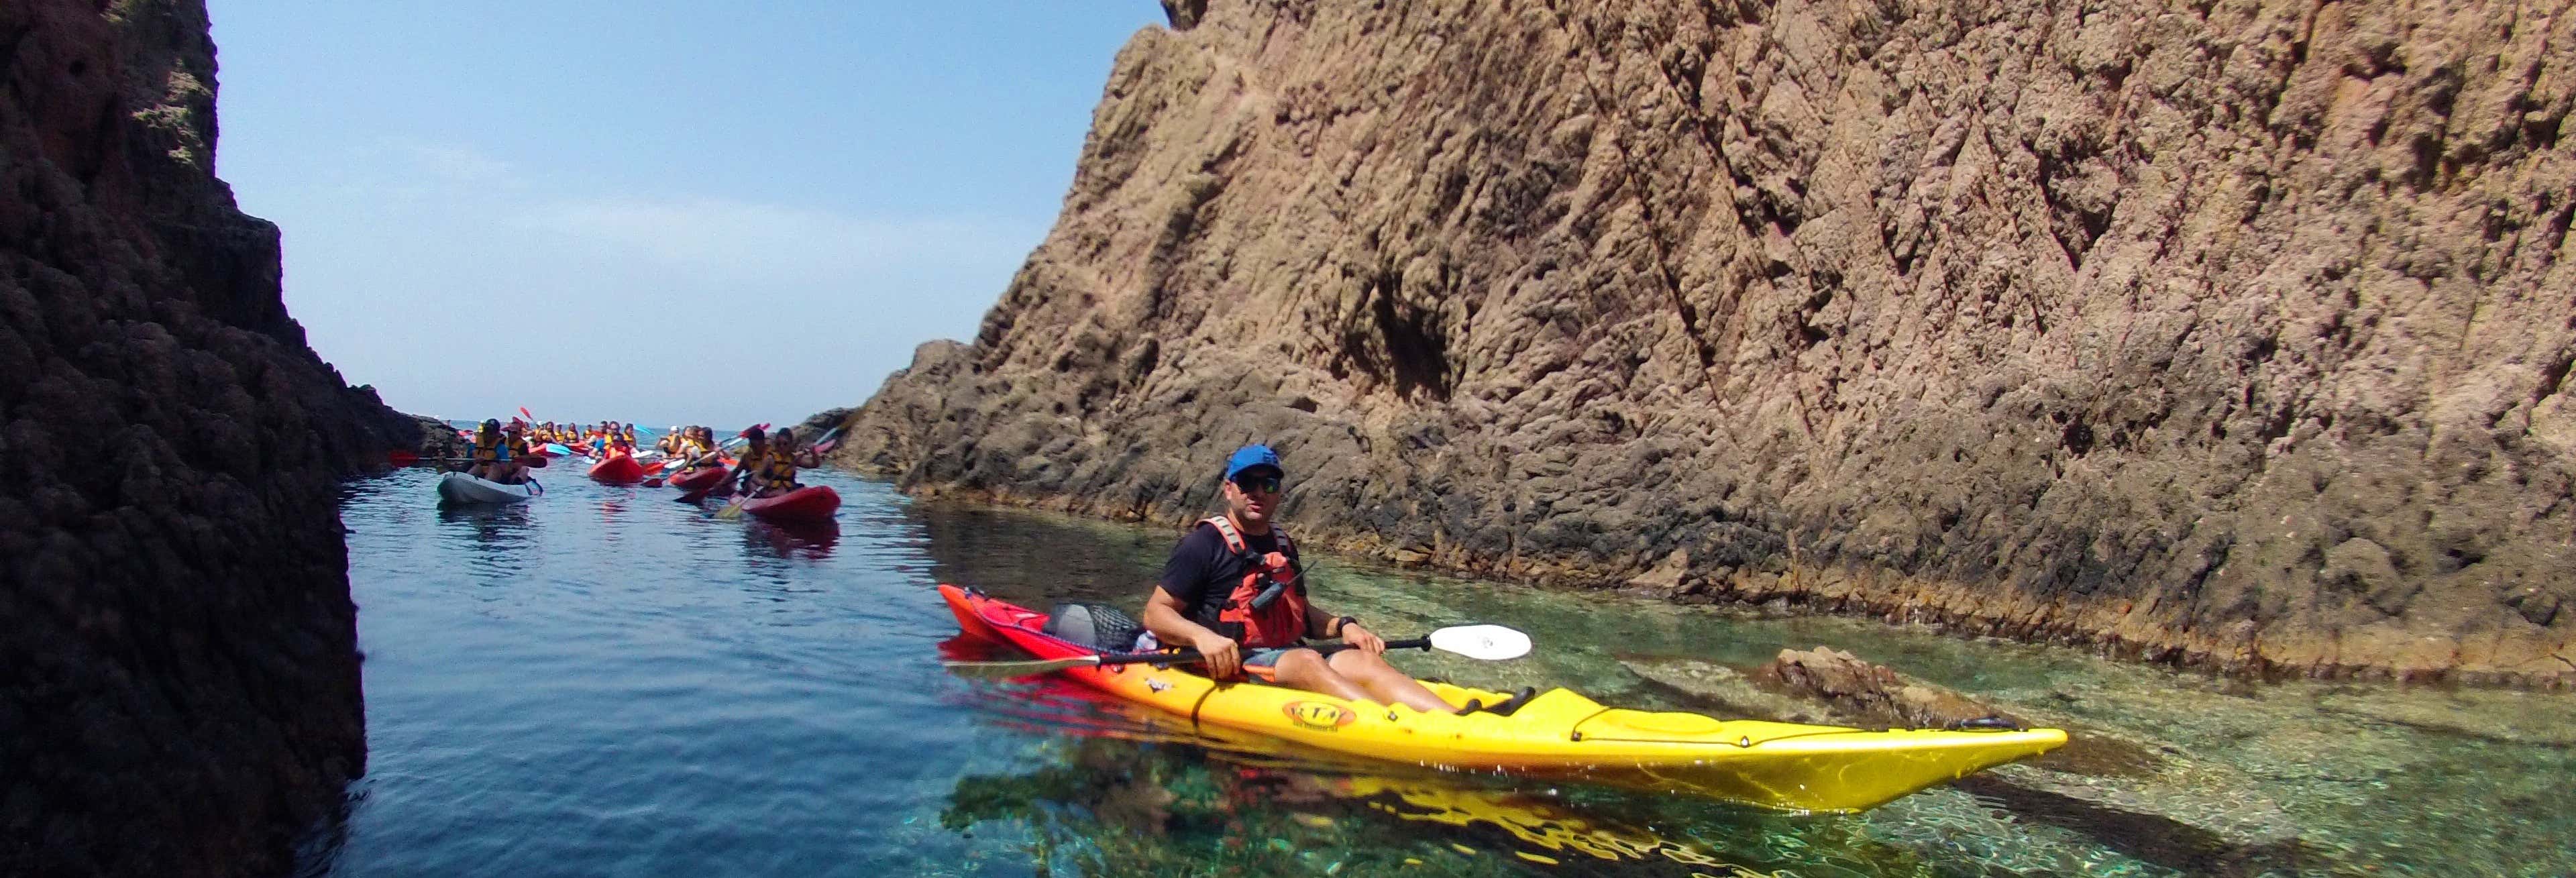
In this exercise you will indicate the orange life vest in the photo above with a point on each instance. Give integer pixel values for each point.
(1267, 609)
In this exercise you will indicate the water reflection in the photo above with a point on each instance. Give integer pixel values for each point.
(1018, 557)
(808, 540)
(497, 535)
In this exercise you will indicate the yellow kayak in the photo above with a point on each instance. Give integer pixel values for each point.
(1787, 766)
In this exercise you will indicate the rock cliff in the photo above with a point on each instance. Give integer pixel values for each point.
(179, 686)
(2229, 333)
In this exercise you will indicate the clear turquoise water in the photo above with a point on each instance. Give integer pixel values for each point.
(606, 682)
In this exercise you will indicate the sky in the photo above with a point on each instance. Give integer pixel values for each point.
(663, 212)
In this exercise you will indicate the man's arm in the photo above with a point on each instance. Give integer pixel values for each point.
(1320, 624)
(1168, 619)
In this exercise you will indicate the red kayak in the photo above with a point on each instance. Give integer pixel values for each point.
(619, 470)
(809, 503)
(702, 479)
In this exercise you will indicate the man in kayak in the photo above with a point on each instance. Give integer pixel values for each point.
(497, 456)
(1234, 590)
(768, 467)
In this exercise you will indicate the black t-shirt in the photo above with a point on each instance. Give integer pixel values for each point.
(1202, 572)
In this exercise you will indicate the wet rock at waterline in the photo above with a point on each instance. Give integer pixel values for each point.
(439, 438)
(179, 687)
(2232, 336)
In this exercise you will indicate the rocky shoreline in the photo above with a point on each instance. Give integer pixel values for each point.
(2214, 336)
(179, 688)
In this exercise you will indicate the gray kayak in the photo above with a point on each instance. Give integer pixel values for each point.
(462, 488)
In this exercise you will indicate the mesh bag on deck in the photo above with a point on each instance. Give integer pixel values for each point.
(1099, 626)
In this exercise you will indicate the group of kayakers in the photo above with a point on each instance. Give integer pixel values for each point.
(603, 438)
(766, 466)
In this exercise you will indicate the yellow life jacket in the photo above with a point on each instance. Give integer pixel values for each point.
(496, 451)
(777, 469)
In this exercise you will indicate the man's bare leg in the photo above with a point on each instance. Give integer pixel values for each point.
(1305, 669)
(1385, 684)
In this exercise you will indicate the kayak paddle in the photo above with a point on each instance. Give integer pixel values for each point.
(407, 458)
(733, 510)
(1485, 642)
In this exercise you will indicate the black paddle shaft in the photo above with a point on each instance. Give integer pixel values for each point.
(1190, 656)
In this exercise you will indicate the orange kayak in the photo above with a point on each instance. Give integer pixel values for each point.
(702, 479)
(809, 503)
(1787, 766)
(618, 470)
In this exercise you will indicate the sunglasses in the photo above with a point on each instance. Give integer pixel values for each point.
(1264, 484)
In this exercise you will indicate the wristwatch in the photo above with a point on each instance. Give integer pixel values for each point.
(1340, 623)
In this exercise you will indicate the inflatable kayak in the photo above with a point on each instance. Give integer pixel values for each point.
(809, 503)
(462, 488)
(618, 470)
(709, 479)
(1788, 766)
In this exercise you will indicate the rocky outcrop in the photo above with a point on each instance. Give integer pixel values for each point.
(179, 687)
(438, 439)
(2227, 334)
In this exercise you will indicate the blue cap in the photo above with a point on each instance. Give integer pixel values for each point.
(1250, 456)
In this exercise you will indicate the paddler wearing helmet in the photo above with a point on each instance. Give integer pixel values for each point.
(1235, 591)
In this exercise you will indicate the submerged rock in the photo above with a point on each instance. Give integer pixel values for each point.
(2212, 335)
(179, 689)
(2133, 795)
(1876, 693)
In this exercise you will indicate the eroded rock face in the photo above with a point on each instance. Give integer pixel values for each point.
(2232, 334)
(179, 684)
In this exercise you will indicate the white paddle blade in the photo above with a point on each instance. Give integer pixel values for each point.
(1488, 642)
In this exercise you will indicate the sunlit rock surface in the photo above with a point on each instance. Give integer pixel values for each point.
(179, 685)
(2225, 334)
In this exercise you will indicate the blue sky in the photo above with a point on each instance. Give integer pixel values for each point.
(709, 212)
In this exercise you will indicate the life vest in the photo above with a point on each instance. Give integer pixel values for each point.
(1267, 608)
(778, 469)
(497, 451)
